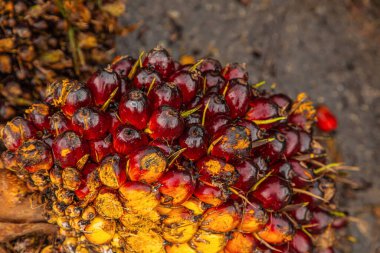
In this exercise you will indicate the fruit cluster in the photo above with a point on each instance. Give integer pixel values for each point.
(42, 40)
(153, 156)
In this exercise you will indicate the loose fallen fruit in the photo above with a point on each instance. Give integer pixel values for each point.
(149, 155)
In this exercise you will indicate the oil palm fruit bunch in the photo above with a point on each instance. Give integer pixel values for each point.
(149, 155)
(43, 40)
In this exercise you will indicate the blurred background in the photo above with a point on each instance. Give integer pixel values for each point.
(329, 49)
(326, 48)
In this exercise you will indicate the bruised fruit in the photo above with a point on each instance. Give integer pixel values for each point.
(152, 156)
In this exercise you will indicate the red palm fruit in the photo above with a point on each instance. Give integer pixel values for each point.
(38, 114)
(16, 132)
(125, 86)
(91, 123)
(255, 132)
(283, 102)
(301, 213)
(69, 148)
(147, 164)
(34, 156)
(145, 78)
(298, 120)
(213, 79)
(254, 217)
(240, 243)
(134, 109)
(165, 123)
(320, 220)
(262, 109)
(166, 94)
(59, 123)
(292, 141)
(114, 119)
(217, 123)
(247, 175)
(213, 170)
(78, 96)
(163, 145)
(102, 84)
(235, 71)
(231, 143)
(159, 60)
(221, 219)
(187, 82)
(305, 142)
(273, 193)
(56, 91)
(101, 148)
(214, 104)
(122, 65)
(87, 172)
(278, 230)
(138, 197)
(326, 121)
(295, 172)
(301, 243)
(195, 141)
(273, 150)
(112, 171)
(237, 98)
(210, 194)
(176, 187)
(209, 64)
(127, 139)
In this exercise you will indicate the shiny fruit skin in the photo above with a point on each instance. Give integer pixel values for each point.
(237, 99)
(235, 71)
(127, 139)
(166, 94)
(176, 187)
(147, 164)
(101, 148)
(59, 124)
(248, 172)
(102, 83)
(159, 60)
(195, 141)
(273, 193)
(123, 65)
(68, 148)
(78, 96)
(277, 231)
(144, 79)
(165, 123)
(241, 243)
(187, 83)
(91, 123)
(134, 109)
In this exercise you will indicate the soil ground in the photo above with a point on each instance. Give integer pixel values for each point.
(327, 48)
